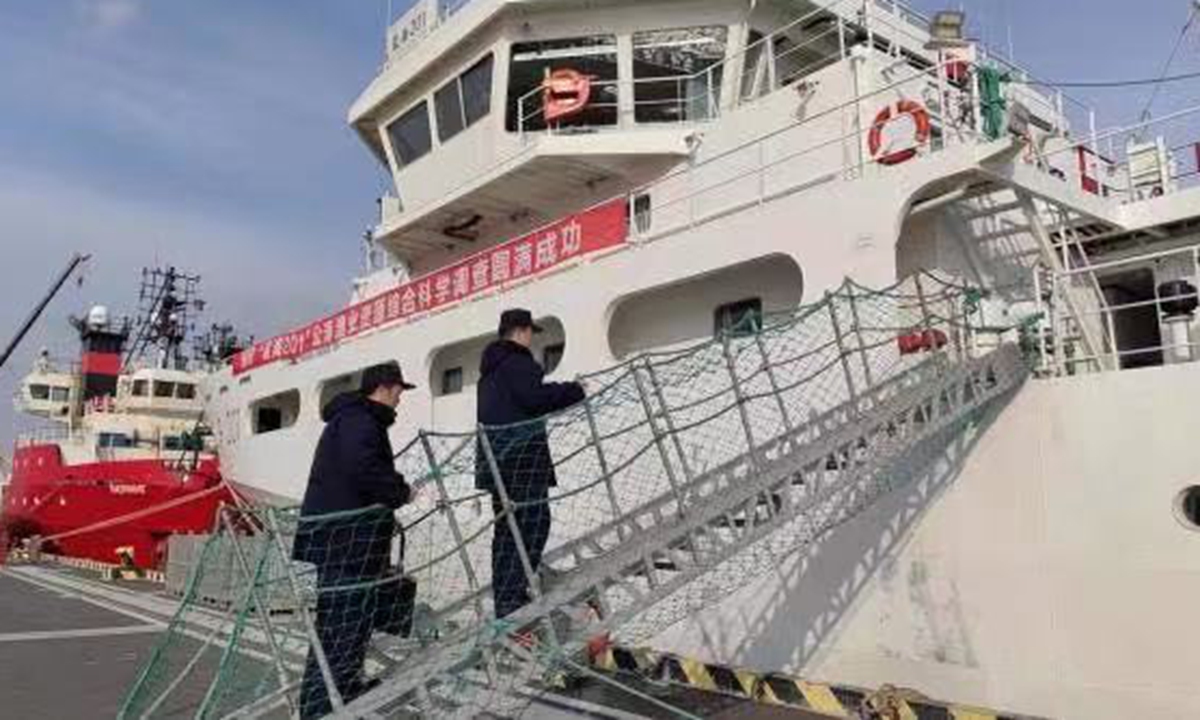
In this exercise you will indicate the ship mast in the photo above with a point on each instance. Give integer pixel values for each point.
(167, 302)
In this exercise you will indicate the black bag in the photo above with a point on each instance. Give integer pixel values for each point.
(395, 597)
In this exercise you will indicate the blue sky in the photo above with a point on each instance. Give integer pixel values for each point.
(212, 135)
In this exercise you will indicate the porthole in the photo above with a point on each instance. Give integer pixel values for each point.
(1187, 507)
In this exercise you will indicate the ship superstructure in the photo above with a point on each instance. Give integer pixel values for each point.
(648, 176)
(123, 459)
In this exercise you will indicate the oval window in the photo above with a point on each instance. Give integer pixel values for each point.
(1187, 507)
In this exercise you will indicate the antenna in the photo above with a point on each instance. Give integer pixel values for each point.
(168, 302)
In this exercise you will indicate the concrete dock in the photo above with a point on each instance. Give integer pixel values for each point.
(71, 646)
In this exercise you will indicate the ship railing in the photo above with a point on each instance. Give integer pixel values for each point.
(1174, 276)
(782, 162)
(702, 100)
(47, 435)
(694, 98)
(1103, 164)
(55, 365)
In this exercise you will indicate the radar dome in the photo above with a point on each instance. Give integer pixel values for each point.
(97, 317)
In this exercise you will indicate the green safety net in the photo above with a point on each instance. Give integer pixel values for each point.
(259, 633)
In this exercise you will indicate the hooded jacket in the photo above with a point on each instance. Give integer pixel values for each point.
(512, 396)
(353, 469)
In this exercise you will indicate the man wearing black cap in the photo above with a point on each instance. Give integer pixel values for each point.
(346, 527)
(511, 396)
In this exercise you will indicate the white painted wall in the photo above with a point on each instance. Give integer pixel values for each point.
(682, 312)
(1049, 576)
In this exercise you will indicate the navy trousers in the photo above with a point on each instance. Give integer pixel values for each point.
(510, 588)
(344, 623)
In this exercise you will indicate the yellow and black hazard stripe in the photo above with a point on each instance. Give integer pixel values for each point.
(846, 701)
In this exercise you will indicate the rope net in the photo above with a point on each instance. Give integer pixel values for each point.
(682, 476)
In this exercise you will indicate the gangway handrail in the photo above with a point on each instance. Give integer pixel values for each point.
(676, 517)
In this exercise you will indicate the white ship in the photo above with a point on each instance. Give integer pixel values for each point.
(645, 176)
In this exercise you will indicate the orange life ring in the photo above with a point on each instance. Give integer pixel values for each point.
(885, 116)
(565, 92)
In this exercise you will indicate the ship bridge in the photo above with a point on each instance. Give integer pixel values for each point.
(498, 117)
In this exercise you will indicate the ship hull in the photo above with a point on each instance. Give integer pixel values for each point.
(112, 512)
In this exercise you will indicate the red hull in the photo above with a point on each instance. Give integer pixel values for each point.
(136, 504)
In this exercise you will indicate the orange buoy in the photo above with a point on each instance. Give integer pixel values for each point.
(565, 92)
(890, 113)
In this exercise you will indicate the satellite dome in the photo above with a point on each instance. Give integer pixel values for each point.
(97, 317)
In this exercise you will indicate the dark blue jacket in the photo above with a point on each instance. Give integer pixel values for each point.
(512, 392)
(353, 474)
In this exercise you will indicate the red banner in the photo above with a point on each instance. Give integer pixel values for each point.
(601, 227)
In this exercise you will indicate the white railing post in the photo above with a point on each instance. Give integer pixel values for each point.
(840, 342)
(858, 337)
(740, 399)
(664, 456)
(713, 95)
(521, 119)
(605, 471)
(676, 440)
(447, 507)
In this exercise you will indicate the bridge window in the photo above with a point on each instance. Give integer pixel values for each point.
(39, 392)
(677, 73)
(164, 389)
(141, 388)
(185, 391)
(594, 56)
(276, 412)
(410, 135)
(60, 394)
(464, 100)
(114, 440)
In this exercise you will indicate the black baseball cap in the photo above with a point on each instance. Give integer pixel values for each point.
(514, 318)
(386, 374)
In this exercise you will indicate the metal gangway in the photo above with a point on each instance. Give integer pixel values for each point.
(682, 477)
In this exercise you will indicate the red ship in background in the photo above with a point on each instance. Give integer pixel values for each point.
(125, 460)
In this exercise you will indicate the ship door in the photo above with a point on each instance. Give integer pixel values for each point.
(1130, 296)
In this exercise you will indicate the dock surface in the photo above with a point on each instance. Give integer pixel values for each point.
(71, 646)
(64, 654)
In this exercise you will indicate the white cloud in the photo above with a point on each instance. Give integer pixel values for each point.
(109, 15)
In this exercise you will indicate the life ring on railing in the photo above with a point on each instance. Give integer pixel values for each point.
(565, 92)
(886, 115)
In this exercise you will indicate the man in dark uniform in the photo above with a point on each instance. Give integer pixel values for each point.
(511, 398)
(346, 527)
